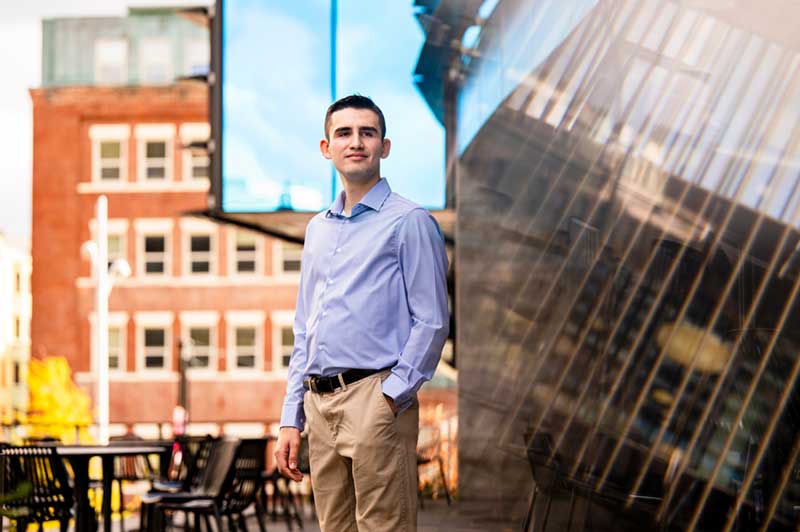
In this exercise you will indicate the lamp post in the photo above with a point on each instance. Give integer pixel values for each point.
(96, 251)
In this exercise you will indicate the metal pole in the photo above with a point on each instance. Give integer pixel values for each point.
(101, 306)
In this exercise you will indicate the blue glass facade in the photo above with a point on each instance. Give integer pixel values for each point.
(278, 72)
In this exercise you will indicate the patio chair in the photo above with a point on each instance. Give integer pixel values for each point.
(211, 480)
(429, 450)
(239, 492)
(49, 497)
(187, 462)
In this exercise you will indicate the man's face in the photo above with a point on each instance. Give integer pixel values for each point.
(354, 144)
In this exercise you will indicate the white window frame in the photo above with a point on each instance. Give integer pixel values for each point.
(115, 319)
(277, 261)
(193, 132)
(194, 227)
(233, 258)
(123, 66)
(99, 133)
(280, 319)
(205, 319)
(161, 49)
(153, 319)
(235, 319)
(153, 227)
(145, 133)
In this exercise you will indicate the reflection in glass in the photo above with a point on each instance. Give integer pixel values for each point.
(627, 263)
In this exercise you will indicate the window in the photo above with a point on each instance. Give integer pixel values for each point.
(155, 254)
(17, 328)
(155, 347)
(199, 164)
(17, 282)
(111, 62)
(245, 347)
(154, 159)
(197, 57)
(247, 253)
(199, 247)
(154, 340)
(199, 339)
(195, 160)
(290, 257)
(116, 347)
(199, 347)
(117, 334)
(245, 343)
(116, 247)
(287, 346)
(109, 152)
(200, 254)
(110, 160)
(155, 62)
(282, 339)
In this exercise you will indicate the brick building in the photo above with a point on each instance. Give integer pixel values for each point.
(110, 119)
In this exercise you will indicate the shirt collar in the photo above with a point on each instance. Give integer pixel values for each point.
(374, 199)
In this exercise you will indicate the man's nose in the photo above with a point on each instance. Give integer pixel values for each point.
(356, 141)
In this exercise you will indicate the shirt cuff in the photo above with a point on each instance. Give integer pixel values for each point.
(398, 390)
(293, 416)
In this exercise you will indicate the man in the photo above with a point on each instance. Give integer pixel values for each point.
(369, 328)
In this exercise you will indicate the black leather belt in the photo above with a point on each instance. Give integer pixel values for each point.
(320, 384)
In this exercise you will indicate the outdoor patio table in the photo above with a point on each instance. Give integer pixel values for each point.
(79, 456)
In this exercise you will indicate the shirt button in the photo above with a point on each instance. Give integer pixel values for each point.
(338, 250)
(330, 281)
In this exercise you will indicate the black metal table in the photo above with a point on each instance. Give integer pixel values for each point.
(79, 456)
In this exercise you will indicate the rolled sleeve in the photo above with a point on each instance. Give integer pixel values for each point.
(423, 262)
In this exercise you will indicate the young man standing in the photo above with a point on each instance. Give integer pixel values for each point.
(370, 324)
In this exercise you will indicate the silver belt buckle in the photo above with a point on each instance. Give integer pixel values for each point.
(312, 384)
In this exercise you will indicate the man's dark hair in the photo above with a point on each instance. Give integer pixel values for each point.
(355, 101)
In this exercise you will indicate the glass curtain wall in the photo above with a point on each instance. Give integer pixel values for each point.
(628, 266)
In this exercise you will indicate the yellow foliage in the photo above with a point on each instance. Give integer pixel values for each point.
(57, 404)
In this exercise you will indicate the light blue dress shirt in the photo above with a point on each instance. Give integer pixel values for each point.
(373, 294)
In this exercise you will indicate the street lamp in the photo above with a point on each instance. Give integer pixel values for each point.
(96, 251)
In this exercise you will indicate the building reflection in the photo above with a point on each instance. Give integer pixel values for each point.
(626, 256)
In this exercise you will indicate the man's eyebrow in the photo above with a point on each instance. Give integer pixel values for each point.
(369, 128)
(343, 129)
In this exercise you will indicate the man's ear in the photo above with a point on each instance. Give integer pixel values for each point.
(387, 147)
(324, 148)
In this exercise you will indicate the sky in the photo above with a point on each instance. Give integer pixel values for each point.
(274, 101)
(20, 56)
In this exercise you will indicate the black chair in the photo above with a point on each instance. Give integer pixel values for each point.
(49, 497)
(211, 480)
(429, 450)
(188, 460)
(239, 492)
(281, 501)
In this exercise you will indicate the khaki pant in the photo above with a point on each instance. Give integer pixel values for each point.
(363, 459)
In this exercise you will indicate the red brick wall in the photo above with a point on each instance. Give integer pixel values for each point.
(62, 158)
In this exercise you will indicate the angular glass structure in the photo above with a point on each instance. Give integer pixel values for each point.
(627, 264)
